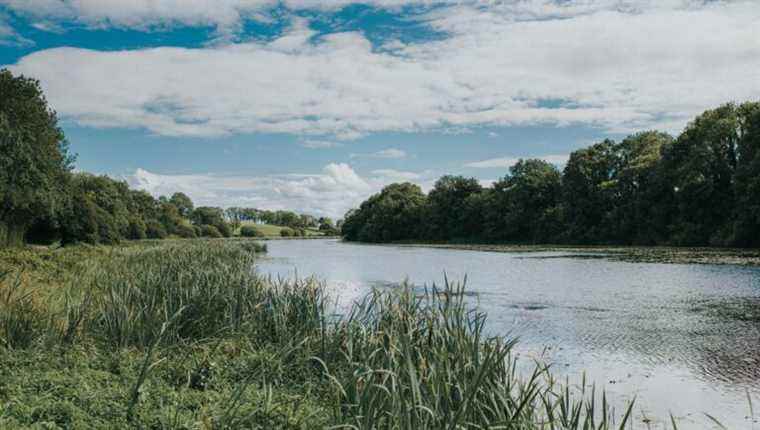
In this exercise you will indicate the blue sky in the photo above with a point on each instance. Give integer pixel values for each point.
(313, 105)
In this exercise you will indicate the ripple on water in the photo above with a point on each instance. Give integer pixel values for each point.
(683, 337)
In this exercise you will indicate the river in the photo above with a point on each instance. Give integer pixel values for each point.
(659, 332)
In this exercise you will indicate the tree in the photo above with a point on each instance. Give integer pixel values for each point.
(523, 198)
(746, 224)
(97, 211)
(183, 204)
(447, 210)
(638, 217)
(250, 231)
(169, 216)
(34, 159)
(700, 168)
(326, 223)
(588, 192)
(393, 214)
(210, 216)
(206, 215)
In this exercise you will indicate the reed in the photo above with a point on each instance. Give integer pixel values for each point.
(423, 361)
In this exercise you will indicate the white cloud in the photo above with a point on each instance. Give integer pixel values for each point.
(330, 193)
(507, 162)
(49, 27)
(618, 64)
(385, 153)
(9, 36)
(227, 16)
(319, 144)
(396, 175)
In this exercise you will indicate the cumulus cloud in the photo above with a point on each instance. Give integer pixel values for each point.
(616, 64)
(385, 153)
(332, 192)
(507, 162)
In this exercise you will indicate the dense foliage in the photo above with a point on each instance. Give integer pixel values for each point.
(34, 161)
(701, 188)
(396, 213)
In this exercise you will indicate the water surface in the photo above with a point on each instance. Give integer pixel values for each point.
(654, 331)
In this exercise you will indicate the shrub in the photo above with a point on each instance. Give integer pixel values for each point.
(155, 230)
(185, 231)
(287, 232)
(210, 231)
(137, 229)
(250, 231)
(224, 229)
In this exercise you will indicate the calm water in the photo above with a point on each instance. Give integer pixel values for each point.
(649, 330)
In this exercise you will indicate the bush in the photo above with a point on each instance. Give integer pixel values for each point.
(210, 231)
(250, 231)
(155, 230)
(287, 232)
(224, 229)
(185, 231)
(137, 229)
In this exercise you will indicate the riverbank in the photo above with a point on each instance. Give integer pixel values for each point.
(182, 334)
(635, 254)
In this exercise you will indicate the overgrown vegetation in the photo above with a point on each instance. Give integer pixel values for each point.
(171, 334)
(699, 189)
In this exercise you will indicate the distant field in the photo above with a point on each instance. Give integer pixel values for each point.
(274, 230)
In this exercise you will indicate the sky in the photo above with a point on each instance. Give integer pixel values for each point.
(313, 105)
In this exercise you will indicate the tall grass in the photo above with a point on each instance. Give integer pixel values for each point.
(423, 362)
(20, 321)
(213, 287)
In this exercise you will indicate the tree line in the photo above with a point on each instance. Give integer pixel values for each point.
(43, 200)
(283, 218)
(701, 188)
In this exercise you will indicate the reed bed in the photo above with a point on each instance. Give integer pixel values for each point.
(187, 335)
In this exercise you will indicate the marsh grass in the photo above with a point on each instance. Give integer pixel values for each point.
(19, 319)
(185, 334)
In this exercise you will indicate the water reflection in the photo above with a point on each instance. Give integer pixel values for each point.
(680, 337)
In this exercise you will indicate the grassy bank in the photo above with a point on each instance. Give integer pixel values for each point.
(636, 254)
(182, 334)
(270, 230)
